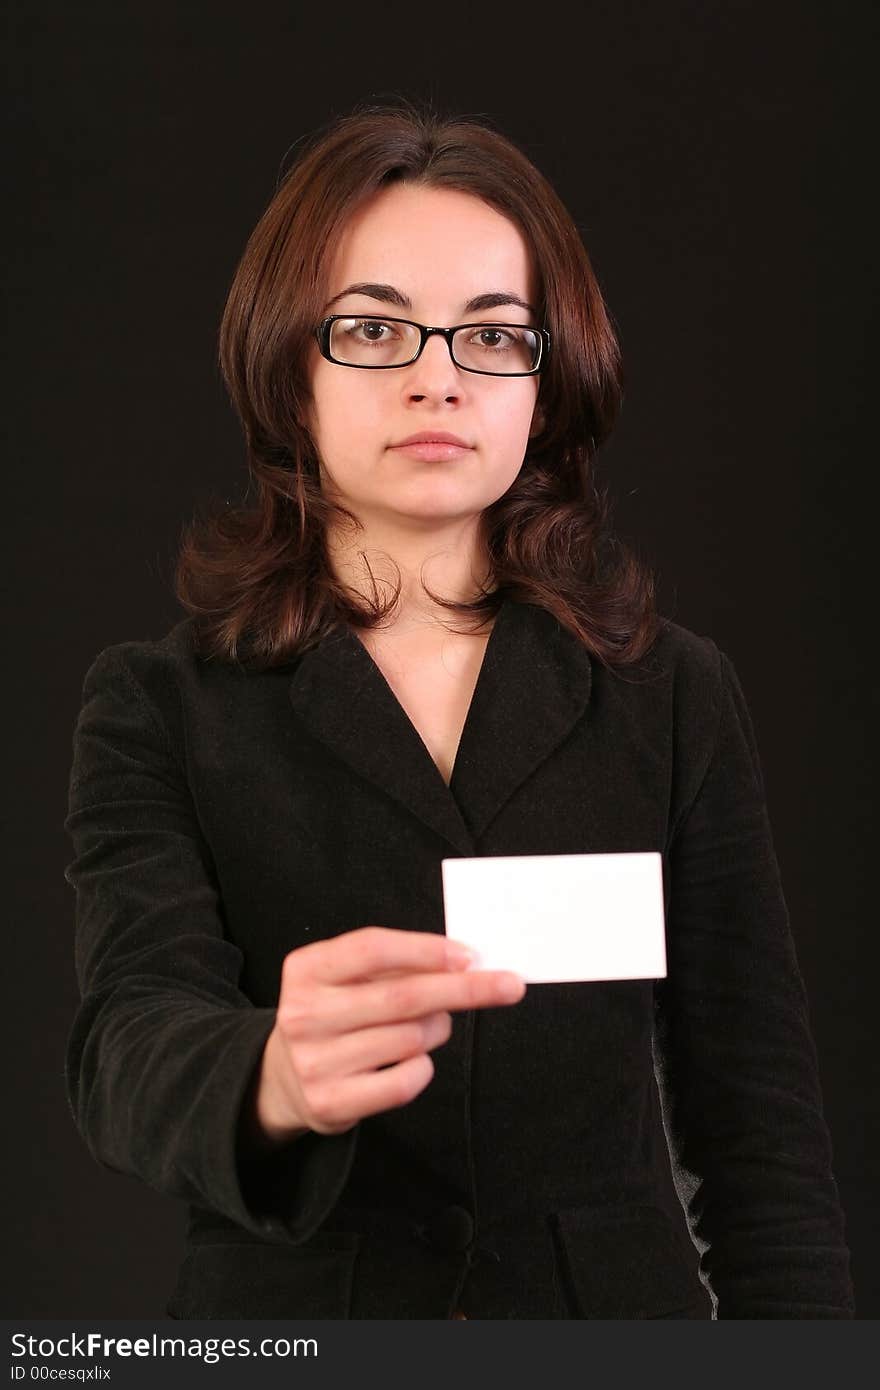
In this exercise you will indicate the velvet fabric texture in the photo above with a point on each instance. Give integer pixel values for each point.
(221, 818)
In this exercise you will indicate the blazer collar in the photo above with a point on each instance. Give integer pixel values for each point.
(533, 686)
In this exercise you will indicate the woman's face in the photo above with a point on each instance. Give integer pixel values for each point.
(437, 249)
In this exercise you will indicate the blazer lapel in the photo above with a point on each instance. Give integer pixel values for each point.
(534, 683)
(343, 699)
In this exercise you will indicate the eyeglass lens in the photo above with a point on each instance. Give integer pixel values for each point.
(482, 347)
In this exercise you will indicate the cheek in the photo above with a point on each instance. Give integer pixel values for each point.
(348, 417)
(512, 417)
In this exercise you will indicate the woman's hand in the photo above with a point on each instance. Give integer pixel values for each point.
(357, 1016)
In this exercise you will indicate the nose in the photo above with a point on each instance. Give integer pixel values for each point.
(434, 373)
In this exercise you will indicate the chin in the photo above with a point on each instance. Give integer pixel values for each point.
(450, 494)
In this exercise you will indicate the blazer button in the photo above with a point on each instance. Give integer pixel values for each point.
(451, 1229)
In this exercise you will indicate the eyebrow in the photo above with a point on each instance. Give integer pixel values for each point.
(494, 299)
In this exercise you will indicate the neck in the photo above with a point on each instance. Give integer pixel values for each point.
(451, 560)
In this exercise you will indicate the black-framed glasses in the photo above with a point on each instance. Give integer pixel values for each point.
(376, 344)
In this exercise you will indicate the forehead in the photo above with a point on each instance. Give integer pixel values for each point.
(430, 242)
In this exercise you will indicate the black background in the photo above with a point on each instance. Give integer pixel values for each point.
(717, 159)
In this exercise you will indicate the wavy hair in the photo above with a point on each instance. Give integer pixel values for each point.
(256, 578)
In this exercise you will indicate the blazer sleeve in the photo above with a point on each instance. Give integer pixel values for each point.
(164, 1046)
(736, 1063)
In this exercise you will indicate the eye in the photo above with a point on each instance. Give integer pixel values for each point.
(496, 339)
(370, 330)
(492, 337)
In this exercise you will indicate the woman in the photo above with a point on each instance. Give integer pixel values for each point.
(423, 642)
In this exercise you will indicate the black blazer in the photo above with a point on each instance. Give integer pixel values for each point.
(219, 819)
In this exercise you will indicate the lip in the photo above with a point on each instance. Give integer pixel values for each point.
(433, 446)
(432, 437)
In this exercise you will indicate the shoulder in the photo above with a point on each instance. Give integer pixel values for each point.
(700, 672)
(174, 660)
(677, 695)
(709, 713)
(679, 651)
(139, 699)
(682, 668)
(169, 685)
(158, 678)
(147, 664)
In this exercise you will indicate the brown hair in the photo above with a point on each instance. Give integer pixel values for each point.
(257, 579)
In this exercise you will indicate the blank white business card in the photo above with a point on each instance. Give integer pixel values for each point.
(557, 917)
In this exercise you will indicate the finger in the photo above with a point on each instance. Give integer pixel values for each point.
(370, 951)
(396, 999)
(350, 1054)
(352, 1098)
